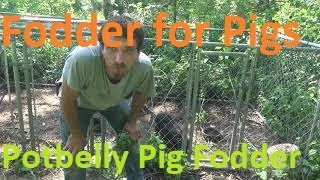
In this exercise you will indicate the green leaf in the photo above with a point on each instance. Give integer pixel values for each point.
(263, 175)
(312, 152)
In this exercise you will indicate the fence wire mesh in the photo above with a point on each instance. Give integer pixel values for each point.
(286, 95)
(219, 80)
(198, 92)
(171, 78)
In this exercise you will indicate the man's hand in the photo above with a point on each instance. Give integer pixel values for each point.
(138, 101)
(75, 143)
(133, 130)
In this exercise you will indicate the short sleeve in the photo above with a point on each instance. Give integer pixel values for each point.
(74, 72)
(147, 85)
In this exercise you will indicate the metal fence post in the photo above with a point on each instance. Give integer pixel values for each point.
(248, 94)
(238, 105)
(194, 101)
(26, 70)
(18, 93)
(188, 113)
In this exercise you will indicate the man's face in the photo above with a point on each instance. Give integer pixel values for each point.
(119, 60)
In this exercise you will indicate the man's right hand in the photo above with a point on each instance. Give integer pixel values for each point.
(75, 143)
(76, 140)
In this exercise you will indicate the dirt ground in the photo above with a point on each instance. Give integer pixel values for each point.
(219, 115)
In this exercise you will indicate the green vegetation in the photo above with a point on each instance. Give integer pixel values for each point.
(285, 90)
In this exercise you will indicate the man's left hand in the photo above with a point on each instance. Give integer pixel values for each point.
(133, 130)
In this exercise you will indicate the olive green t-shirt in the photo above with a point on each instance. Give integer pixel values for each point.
(85, 72)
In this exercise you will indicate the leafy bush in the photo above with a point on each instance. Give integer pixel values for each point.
(287, 93)
(311, 165)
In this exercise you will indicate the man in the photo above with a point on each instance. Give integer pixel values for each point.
(102, 79)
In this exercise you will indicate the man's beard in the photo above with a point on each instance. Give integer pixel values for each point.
(116, 77)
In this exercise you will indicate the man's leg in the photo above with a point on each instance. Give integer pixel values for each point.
(117, 117)
(84, 115)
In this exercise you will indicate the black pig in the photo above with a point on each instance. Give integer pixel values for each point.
(169, 130)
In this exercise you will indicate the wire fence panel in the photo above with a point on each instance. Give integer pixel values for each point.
(219, 87)
(214, 95)
(169, 107)
(286, 95)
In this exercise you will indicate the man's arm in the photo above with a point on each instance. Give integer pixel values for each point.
(68, 98)
(138, 101)
(145, 89)
(76, 140)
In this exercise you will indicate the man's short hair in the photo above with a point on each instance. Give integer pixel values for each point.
(138, 33)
